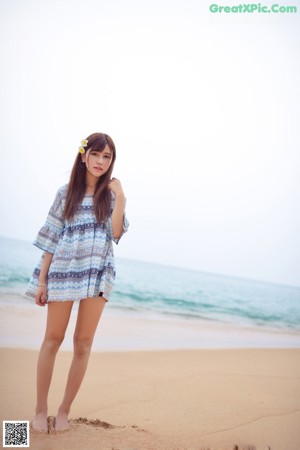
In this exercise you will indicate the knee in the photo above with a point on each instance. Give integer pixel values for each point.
(82, 345)
(53, 341)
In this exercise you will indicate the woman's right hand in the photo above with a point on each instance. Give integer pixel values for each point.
(41, 296)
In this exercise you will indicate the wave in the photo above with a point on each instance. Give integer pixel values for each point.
(147, 288)
(10, 280)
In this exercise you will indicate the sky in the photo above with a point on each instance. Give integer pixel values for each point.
(203, 108)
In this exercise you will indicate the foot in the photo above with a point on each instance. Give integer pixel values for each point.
(61, 422)
(40, 422)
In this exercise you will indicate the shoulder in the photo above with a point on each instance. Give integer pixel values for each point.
(60, 196)
(62, 191)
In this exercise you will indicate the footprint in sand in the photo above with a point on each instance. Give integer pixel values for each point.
(99, 423)
(94, 423)
(90, 422)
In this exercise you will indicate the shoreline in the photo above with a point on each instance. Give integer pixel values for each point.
(24, 327)
(166, 400)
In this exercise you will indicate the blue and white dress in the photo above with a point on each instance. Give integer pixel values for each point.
(83, 259)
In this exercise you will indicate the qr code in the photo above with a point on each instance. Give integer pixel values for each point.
(15, 433)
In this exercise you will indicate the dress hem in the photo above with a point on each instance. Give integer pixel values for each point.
(30, 294)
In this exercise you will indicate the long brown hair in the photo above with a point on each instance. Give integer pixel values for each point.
(77, 184)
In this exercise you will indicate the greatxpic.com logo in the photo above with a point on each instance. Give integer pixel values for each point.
(253, 8)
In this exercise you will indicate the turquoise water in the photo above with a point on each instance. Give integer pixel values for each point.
(153, 290)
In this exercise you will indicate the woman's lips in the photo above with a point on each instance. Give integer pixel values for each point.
(98, 168)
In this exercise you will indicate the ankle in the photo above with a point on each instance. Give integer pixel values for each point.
(41, 411)
(41, 408)
(62, 410)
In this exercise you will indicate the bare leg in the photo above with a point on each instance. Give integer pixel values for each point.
(57, 321)
(89, 313)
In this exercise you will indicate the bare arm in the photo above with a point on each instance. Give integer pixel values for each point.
(41, 293)
(118, 212)
(118, 216)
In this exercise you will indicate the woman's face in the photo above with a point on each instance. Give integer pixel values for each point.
(98, 163)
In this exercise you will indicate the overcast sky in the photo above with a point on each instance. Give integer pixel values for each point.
(204, 111)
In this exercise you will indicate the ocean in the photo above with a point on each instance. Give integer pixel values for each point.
(149, 290)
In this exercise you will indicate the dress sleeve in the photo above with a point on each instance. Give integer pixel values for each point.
(125, 221)
(49, 234)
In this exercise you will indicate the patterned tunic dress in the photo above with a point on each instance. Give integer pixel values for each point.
(83, 260)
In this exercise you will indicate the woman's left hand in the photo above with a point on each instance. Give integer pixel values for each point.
(115, 186)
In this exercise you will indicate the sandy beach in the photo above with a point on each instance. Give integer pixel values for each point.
(159, 384)
(181, 399)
